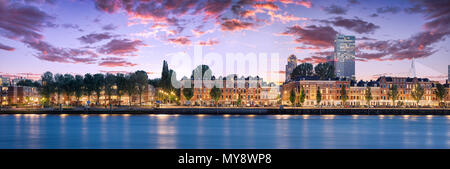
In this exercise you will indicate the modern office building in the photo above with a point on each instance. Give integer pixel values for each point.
(344, 56)
(292, 63)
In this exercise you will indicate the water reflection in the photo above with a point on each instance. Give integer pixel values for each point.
(224, 131)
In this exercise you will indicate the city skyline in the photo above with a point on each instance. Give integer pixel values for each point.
(111, 36)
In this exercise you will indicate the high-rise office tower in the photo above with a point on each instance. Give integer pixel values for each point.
(292, 63)
(344, 56)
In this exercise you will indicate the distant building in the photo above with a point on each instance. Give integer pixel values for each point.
(448, 75)
(344, 56)
(22, 95)
(292, 63)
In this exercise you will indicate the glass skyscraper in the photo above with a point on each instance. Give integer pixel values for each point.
(292, 63)
(344, 56)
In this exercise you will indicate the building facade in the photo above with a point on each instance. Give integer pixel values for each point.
(356, 92)
(344, 56)
(292, 63)
(251, 90)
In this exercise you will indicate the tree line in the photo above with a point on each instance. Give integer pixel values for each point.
(119, 84)
(322, 70)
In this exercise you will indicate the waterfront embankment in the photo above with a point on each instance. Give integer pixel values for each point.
(243, 111)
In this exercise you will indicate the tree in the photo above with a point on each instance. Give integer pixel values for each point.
(48, 87)
(304, 69)
(239, 99)
(110, 81)
(324, 70)
(59, 83)
(215, 93)
(344, 95)
(440, 92)
(78, 87)
(154, 82)
(393, 94)
(141, 83)
(28, 82)
(165, 82)
(89, 85)
(292, 97)
(188, 93)
(368, 95)
(130, 87)
(318, 96)
(417, 93)
(301, 96)
(99, 84)
(121, 83)
(68, 86)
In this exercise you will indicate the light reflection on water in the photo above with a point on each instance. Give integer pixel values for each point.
(223, 131)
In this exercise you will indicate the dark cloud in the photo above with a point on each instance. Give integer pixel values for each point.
(165, 11)
(356, 24)
(317, 36)
(122, 47)
(109, 27)
(235, 25)
(72, 26)
(334, 9)
(50, 53)
(180, 40)
(22, 22)
(4, 47)
(388, 9)
(115, 62)
(95, 37)
(374, 15)
(419, 45)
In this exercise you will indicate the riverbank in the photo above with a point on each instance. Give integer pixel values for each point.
(243, 111)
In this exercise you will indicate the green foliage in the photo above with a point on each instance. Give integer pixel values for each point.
(344, 95)
(417, 93)
(29, 83)
(78, 87)
(68, 85)
(59, 85)
(304, 69)
(239, 100)
(318, 96)
(292, 97)
(130, 86)
(201, 72)
(110, 81)
(141, 83)
(121, 83)
(89, 85)
(440, 92)
(48, 87)
(188, 93)
(301, 96)
(215, 93)
(368, 95)
(99, 84)
(393, 94)
(324, 70)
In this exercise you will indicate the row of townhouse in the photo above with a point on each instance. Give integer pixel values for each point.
(15, 95)
(252, 90)
(331, 91)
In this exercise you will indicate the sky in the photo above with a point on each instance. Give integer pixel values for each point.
(92, 36)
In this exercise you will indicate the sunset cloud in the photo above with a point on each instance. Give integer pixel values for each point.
(50, 53)
(121, 47)
(7, 48)
(236, 25)
(115, 62)
(95, 37)
(357, 25)
(180, 41)
(317, 36)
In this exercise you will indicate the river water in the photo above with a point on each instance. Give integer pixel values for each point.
(223, 131)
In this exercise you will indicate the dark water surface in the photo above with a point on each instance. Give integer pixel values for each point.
(223, 131)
